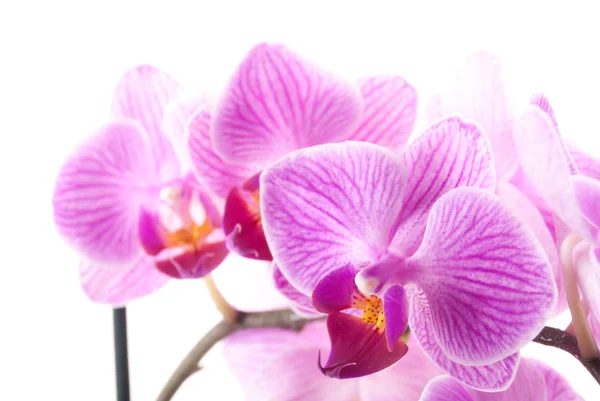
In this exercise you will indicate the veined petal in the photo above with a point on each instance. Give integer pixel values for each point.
(357, 348)
(328, 206)
(445, 388)
(216, 174)
(278, 364)
(276, 103)
(395, 310)
(404, 380)
(120, 286)
(143, 94)
(587, 165)
(478, 93)
(390, 111)
(557, 387)
(493, 377)
(450, 154)
(587, 271)
(522, 207)
(542, 155)
(487, 280)
(587, 191)
(299, 302)
(335, 291)
(192, 263)
(99, 192)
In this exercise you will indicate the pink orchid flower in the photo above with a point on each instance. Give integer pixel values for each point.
(379, 239)
(276, 364)
(534, 381)
(573, 198)
(126, 200)
(276, 103)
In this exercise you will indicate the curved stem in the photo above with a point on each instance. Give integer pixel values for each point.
(581, 327)
(227, 311)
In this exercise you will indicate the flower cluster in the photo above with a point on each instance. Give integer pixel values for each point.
(442, 256)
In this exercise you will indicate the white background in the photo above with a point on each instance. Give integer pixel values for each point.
(59, 62)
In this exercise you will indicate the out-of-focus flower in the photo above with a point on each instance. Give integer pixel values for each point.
(422, 230)
(126, 200)
(534, 382)
(276, 103)
(277, 364)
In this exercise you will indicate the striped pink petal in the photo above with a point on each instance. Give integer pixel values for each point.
(498, 288)
(389, 113)
(119, 286)
(478, 93)
(587, 192)
(328, 206)
(276, 103)
(445, 388)
(299, 302)
(450, 154)
(587, 165)
(216, 174)
(493, 377)
(99, 191)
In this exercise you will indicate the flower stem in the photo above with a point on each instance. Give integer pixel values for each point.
(585, 340)
(227, 311)
(121, 357)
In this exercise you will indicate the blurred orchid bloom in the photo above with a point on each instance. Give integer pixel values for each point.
(417, 237)
(478, 92)
(276, 364)
(573, 198)
(276, 103)
(126, 200)
(534, 381)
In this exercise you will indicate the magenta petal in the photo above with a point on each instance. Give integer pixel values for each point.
(216, 174)
(279, 364)
(445, 388)
(99, 192)
(498, 287)
(276, 103)
(395, 309)
(192, 263)
(120, 286)
(478, 93)
(336, 290)
(151, 237)
(450, 154)
(544, 159)
(390, 111)
(587, 165)
(556, 386)
(299, 302)
(328, 206)
(357, 348)
(493, 377)
(587, 191)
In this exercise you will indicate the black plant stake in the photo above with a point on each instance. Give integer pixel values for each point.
(121, 358)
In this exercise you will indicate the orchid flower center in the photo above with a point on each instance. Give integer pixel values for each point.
(372, 308)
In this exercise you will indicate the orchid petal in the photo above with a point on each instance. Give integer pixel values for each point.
(478, 93)
(300, 303)
(450, 154)
(357, 348)
(176, 119)
(276, 103)
(403, 381)
(522, 207)
(445, 388)
(494, 377)
(543, 158)
(120, 286)
(587, 165)
(587, 191)
(99, 192)
(152, 239)
(488, 282)
(216, 174)
(278, 364)
(328, 206)
(390, 111)
(587, 271)
(556, 386)
(142, 94)
(192, 263)
(336, 291)
(395, 309)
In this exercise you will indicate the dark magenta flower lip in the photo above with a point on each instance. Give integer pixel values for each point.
(193, 263)
(242, 226)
